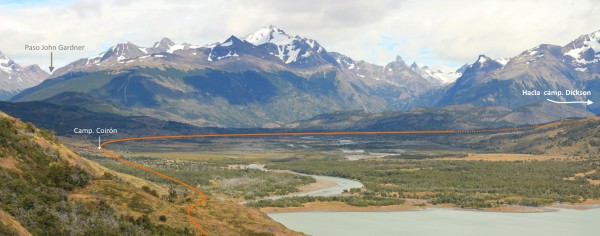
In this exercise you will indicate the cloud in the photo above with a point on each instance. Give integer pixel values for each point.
(438, 33)
(501, 28)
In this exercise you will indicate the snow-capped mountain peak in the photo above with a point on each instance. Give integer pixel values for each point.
(6, 64)
(124, 51)
(585, 49)
(167, 45)
(290, 49)
(482, 59)
(269, 34)
(3, 59)
(163, 45)
(424, 71)
(230, 41)
(15, 78)
(435, 75)
(484, 62)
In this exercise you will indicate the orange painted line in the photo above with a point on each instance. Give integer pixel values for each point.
(189, 211)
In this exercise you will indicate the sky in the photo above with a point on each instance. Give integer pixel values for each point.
(441, 34)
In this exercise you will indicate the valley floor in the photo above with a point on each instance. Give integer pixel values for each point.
(397, 174)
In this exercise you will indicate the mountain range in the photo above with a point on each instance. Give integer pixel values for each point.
(263, 79)
(15, 78)
(544, 68)
(270, 78)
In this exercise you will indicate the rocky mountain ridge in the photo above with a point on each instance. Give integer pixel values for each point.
(269, 78)
(15, 78)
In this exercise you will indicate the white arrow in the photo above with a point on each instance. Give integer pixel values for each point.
(588, 102)
(99, 143)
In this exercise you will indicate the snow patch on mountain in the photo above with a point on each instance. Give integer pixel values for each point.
(311, 43)
(447, 76)
(482, 59)
(346, 62)
(288, 47)
(6, 64)
(167, 45)
(230, 54)
(292, 54)
(270, 34)
(15, 78)
(444, 76)
(176, 47)
(271, 40)
(124, 51)
(590, 42)
(502, 60)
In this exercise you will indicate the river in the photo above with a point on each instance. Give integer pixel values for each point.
(447, 222)
(433, 221)
(341, 184)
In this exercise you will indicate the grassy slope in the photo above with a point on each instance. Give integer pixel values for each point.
(51, 190)
(10, 226)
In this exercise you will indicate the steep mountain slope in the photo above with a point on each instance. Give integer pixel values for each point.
(15, 78)
(263, 79)
(63, 118)
(212, 97)
(489, 82)
(50, 190)
(400, 86)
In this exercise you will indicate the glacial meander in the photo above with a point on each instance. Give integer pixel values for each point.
(434, 221)
(341, 184)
